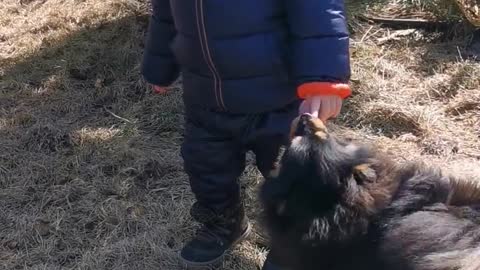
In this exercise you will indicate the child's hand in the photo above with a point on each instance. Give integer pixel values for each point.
(323, 99)
(159, 89)
(322, 106)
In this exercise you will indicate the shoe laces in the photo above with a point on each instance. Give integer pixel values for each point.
(216, 227)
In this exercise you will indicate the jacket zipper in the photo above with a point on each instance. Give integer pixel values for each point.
(202, 34)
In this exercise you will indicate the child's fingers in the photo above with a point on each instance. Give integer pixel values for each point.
(338, 106)
(304, 107)
(159, 89)
(322, 107)
(324, 112)
(315, 106)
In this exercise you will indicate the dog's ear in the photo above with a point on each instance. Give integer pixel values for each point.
(364, 173)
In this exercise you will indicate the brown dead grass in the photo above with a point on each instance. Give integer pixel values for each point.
(445, 10)
(90, 175)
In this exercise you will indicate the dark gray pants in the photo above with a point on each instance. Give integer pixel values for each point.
(215, 146)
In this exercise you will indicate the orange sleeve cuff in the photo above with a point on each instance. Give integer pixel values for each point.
(324, 88)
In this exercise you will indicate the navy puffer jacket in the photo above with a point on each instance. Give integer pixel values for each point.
(246, 56)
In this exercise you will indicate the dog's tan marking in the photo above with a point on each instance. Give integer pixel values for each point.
(319, 127)
(321, 135)
(315, 124)
(362, 167)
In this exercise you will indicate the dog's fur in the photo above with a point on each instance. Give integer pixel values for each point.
(337, 205)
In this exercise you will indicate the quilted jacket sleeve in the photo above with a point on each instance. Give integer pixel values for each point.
(320, 40)
(159, 66)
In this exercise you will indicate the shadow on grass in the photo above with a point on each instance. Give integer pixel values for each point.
(72, 78)
(83, 89)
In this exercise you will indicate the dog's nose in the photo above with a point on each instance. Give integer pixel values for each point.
(307, 124)
(305, 118)
(302, 127)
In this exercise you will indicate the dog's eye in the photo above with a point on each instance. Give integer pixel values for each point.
(364, 173)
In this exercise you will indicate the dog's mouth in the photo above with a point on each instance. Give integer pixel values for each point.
(307, 125)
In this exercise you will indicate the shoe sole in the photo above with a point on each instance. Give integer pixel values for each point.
(217, 261)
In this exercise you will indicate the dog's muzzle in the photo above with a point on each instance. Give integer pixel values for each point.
(306, 125)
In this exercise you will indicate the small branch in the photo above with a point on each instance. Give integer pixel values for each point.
(402, 23)
(116, 116)
(396, 35)
(366, 34)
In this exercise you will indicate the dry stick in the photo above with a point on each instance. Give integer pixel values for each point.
(116, 116)
(396, 34)
(406, 22)
(460, 54)
(366, 34)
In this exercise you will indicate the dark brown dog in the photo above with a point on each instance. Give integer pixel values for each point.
(337, 205)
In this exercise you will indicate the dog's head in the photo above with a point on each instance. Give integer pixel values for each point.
(325, 163)
(324, 184)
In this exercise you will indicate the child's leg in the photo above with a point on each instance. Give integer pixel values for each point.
(269, 134)
(213, 163)
(214, 158)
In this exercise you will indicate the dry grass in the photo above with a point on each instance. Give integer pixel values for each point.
(90, 176)
(433, 9)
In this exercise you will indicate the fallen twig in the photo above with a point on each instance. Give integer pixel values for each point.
(395, 35)
(402, 23)
(116, 116)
